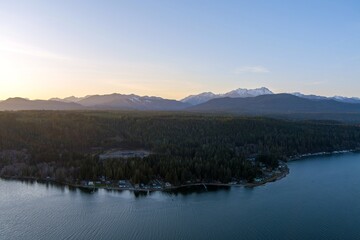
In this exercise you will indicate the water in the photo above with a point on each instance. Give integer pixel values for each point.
(319, 199)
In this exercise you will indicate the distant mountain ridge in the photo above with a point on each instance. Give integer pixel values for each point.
(131, 102)
(244, 93)
(68, 99)
(275, 104)
(18, 104)
(207, 101)
(237, 93)
(336, 98)
(95, 102)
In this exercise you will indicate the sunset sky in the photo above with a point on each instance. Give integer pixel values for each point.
(176, 48)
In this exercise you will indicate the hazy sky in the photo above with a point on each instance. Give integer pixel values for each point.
(173, 48)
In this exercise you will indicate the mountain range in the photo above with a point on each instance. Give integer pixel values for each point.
(237, 93)
(259, 101)
(95, 102)
(244, 93)
(17, 104)
(275, 104)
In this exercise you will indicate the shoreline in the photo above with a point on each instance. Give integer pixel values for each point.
(274, 178)
(278, 176)
(306, 155)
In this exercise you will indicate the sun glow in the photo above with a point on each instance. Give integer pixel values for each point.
(62, 48)
(36, 73)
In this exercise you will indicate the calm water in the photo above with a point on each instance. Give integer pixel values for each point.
(320, 199)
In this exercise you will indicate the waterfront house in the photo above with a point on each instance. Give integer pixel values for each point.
(123, 184)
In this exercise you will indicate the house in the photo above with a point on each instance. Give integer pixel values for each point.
(122, 184)
(258, 180)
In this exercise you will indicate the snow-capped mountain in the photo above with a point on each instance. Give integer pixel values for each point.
(346, 99)
(238, 93)
(279, 104)
(311, 96)
(335, 98)
(242, 92)
(117, 101)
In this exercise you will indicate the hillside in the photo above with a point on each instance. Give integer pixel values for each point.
(17, 104)
(275, 104)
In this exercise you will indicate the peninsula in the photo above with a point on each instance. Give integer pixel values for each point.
(146, 151)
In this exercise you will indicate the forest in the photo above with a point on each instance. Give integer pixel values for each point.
(65, 145)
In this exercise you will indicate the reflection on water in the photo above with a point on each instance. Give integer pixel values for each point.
(197, 189)
(185, 190)
(317, 200)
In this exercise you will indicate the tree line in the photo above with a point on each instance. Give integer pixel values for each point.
(185, 147)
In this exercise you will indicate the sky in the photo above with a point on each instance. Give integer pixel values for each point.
(176, 48)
